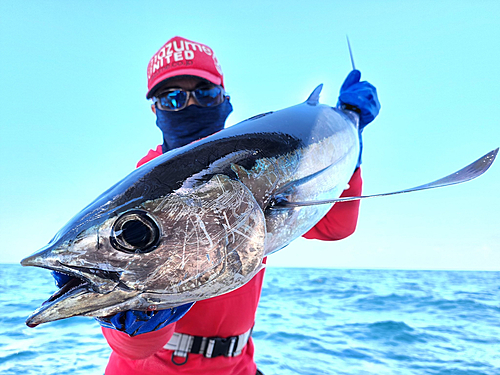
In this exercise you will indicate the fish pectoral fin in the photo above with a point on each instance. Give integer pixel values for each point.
(465, 174)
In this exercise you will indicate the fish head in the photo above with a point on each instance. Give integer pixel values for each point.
(185, 246)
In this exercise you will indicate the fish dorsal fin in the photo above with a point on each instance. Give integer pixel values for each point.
(313, 99)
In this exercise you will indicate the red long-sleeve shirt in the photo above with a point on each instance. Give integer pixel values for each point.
(227, 315)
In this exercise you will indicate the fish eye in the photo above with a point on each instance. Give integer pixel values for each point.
(135, 232)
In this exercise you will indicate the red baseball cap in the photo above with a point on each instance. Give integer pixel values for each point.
(180, 56)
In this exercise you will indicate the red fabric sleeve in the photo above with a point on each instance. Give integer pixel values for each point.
(340, 222)
(138, 347)
(150, 156)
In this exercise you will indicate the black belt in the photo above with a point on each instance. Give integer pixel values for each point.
(209, 347)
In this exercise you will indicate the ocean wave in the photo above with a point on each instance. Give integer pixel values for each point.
(309, 321)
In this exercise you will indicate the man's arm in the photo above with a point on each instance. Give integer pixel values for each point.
(340, 222)
(138, 347)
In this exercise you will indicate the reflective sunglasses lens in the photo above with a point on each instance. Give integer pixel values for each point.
(209, 97)
(174, 99)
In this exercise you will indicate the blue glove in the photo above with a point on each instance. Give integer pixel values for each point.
(60, 278)
(360, 97)
(134, 322)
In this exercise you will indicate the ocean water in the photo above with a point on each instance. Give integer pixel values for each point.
(310, 321)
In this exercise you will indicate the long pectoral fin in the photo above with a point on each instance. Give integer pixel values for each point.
(468, 173)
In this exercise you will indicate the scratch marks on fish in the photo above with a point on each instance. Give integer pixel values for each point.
(227, 225)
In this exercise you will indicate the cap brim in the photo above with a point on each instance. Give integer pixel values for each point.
(183, 72)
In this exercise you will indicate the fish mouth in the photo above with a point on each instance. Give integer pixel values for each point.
(72, 287)
(73, 283)
(78, 293)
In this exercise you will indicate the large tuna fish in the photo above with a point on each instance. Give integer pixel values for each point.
(197, 221)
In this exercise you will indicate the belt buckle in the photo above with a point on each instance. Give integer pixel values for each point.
(217, 346)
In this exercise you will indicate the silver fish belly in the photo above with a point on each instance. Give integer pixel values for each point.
(197, 221)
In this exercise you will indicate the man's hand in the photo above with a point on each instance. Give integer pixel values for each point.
(361, 96)
(135, 322)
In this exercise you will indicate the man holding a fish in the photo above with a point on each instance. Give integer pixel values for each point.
(211, 336)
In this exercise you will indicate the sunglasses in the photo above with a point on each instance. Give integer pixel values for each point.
(176, 99)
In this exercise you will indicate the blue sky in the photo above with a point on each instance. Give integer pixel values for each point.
(74, 118)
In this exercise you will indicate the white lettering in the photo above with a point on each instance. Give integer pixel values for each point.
(192, 45)
(207, 50)
(161, 54)
(181, 51)
(177, 56)
(169, 48)
(156, 66)
(181, 48)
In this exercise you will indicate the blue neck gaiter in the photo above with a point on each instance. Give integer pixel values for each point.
(190, 124)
